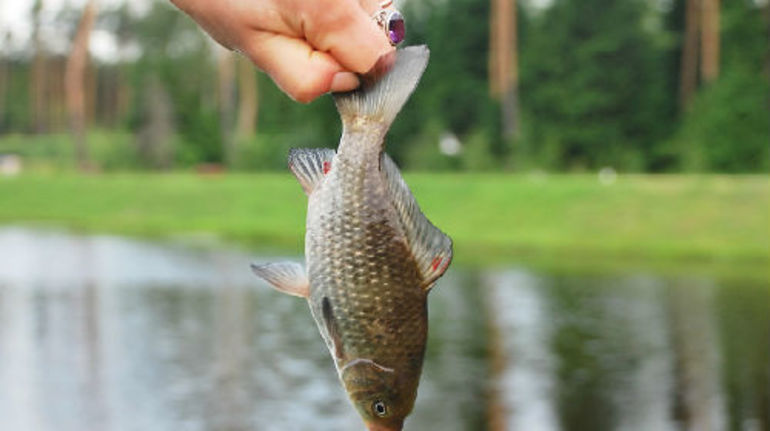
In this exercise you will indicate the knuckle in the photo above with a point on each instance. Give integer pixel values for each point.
(328, 25)
(331, 12)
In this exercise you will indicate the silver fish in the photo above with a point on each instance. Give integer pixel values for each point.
(371, 255)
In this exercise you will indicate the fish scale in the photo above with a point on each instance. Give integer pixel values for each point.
(372, 257)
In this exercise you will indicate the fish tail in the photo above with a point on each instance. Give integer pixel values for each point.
(381, 100)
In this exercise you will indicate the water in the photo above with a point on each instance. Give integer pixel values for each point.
(105, 333)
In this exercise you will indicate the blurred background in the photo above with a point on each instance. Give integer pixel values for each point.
(602, 167)
(638, 86)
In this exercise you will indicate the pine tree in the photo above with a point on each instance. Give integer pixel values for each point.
(503, 63)
(726, 127)
(248, 100)
(38, 72)
(592, 86)
(74, 78)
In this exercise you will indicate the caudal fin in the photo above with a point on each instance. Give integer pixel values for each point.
(382, 100)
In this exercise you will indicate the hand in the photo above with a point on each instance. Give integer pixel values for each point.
(308, 47)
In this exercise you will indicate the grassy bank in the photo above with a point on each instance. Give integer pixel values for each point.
(493, 219)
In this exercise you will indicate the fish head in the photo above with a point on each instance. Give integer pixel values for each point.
(382, 396)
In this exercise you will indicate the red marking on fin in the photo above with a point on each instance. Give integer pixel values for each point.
(327, 166)
(446, 264)
(436, 262)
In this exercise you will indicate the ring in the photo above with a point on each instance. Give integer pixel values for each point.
(391, 22)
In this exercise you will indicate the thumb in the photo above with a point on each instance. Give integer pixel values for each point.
(300, 71)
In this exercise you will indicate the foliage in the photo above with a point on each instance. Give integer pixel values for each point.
(726, 133)
(452, 95)
(592, 87)
(54, 152)
(176, 59)
(727, 128)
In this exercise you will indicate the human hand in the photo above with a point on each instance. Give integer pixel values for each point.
(308, 47)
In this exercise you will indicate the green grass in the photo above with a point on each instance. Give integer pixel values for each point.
(495, 219)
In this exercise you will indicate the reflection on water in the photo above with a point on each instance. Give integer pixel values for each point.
(630, 353)
(524, 364)
(104, 333)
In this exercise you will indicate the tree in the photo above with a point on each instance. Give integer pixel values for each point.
(4, 79)
(176, 53)
(226, 98)
(709, 40)
(701, 29)
(595, 91)
(503, 63)
(453, 94)
(74, 79)
(726, 126)
(248, 102)
(38, 72)
(232, 68)
(689, 64)
(157, 127)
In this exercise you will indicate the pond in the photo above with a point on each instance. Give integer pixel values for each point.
(108, 333)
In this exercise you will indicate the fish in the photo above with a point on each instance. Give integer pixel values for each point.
(371, 255)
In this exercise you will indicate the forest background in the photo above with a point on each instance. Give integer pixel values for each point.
(563, 85)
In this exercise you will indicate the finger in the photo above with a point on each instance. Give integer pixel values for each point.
(344, 81)
(350, 35)
(300, 71)
(370, 6)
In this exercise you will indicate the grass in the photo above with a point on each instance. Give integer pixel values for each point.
(565, 221)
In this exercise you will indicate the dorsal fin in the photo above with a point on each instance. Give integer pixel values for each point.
(381, 99)
(310, 165)
(287, 277)
(431, 248)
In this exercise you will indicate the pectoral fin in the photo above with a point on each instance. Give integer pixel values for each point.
(310, 165)
(287, 277)
(431, 248)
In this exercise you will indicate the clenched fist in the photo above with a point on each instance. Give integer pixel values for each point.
(308, 47)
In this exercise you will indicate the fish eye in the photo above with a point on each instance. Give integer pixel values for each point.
(379, 408)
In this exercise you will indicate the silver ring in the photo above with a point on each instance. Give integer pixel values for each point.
(391, 22)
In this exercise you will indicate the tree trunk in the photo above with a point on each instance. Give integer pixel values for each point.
(154, 137)
(4, 79)
(56, 94)
(74, 82)
(123, 96)
(503, 63)
(226, 90)
(766, 14)
(709, 41)
(38, 74)
(91, 90)
(248, 102)
(689, 67)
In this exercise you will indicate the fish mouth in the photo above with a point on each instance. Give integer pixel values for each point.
(378, 427)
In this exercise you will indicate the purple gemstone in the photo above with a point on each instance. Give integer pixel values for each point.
(396, 28)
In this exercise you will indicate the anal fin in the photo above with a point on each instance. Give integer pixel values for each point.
(331, 327)
(286, 277)
(310, 165)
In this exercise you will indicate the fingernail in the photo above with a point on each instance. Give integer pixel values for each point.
(344, 81)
